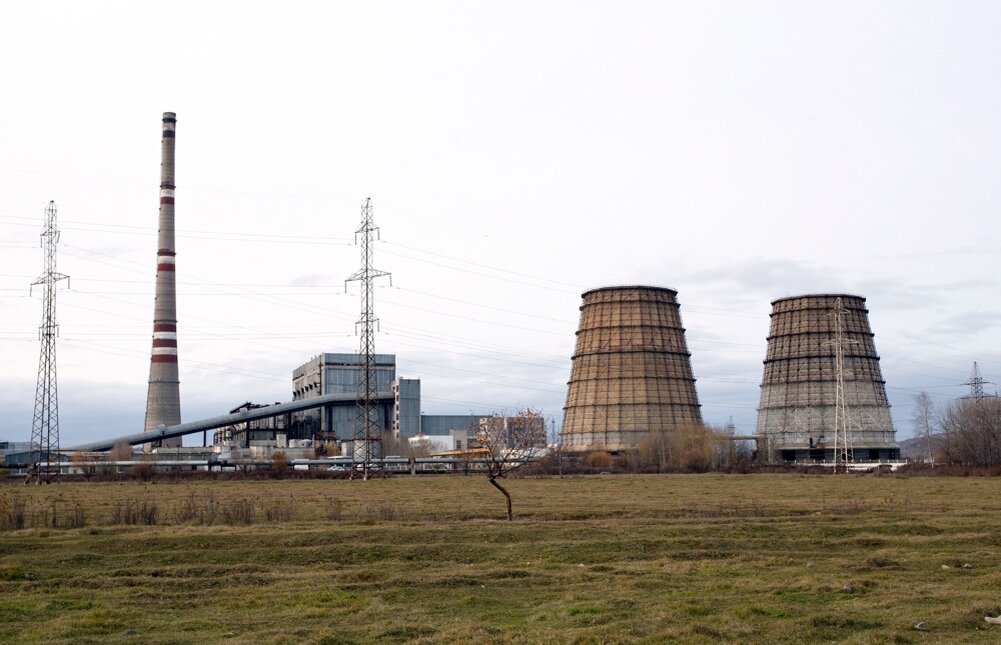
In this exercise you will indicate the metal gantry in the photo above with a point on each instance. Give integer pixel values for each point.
(45, 423)
(368, 425)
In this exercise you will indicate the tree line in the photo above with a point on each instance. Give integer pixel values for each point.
(966, 431)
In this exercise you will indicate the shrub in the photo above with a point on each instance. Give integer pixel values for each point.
(192, 509)
(599, 459)
(134, 512)
(385, 511)
(143, 472)
(276, 510)
(333, 510)
(279, 465)
(238, 511)
(13, 512)
(76, 517)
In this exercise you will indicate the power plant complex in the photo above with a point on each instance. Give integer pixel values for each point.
(822, 399)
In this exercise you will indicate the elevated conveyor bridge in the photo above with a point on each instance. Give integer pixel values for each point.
(265, 412)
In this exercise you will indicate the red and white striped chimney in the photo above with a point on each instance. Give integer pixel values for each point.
(163, 401)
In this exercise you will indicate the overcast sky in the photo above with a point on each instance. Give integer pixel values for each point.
(516, 154)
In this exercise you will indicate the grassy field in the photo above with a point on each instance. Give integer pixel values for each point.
(690, 558)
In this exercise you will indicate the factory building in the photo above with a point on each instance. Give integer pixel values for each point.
(280, 429)
(399, 403)
(446, 424)
(631, 372)
(516, 432)
(796, 416)
(406, 407)
(340, 374)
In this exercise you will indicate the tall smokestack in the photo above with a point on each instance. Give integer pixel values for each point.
(163, 401)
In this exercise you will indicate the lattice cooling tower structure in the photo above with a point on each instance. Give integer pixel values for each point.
(796, 416)
(631, 373)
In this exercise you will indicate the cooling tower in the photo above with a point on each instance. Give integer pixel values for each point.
(631, 373)
(798, 391)
(163, 401)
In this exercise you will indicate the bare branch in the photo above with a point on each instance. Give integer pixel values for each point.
(510, 443)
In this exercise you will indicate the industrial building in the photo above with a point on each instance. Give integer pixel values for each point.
(631, 372)
(799, 388)
(398, 405)
(281, 429)
(445, 424)
(341, 373)
(517, 432)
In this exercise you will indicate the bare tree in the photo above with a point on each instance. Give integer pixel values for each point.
(924, 419)
(651, 453)
(420, 446)
(244, 463)
(972, 430)
(692, 448)
(724, 447)
(394, 445)
(85, 463)
(121, 452)
(509, 443)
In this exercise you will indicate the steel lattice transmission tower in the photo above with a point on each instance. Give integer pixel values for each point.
(844, 451)
(45, 423)
(368, 425)
(976, 384)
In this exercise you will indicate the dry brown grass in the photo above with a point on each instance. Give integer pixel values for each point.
(696, 558)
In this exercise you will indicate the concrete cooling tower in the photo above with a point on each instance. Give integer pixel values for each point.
(796, 416)
(631, 373)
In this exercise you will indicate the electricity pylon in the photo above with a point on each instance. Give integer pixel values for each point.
(45, 423)
(976, 384)
(368, 426)
(844, 451)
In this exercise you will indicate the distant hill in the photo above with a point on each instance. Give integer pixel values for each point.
(917, 449)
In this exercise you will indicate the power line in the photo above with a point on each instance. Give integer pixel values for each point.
(480, 273)
(487, 266)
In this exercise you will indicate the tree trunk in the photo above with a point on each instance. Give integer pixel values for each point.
(510, 513)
